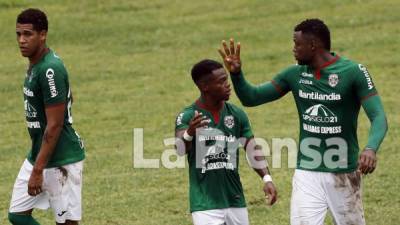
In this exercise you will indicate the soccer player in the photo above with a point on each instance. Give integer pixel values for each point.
(328, 90)
(51, 175)
(211, 130)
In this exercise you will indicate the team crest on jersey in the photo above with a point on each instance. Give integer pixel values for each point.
(229, 121)
(333, 80)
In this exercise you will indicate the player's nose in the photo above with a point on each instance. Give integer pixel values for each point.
(21, 39)
(228, 86)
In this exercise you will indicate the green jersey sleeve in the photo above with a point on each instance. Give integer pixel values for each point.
(281, 80)
(253, 95)
(374, 109)
(363, 83)
(371, 102)
(183, 119)
(53, 83)
(245, 126)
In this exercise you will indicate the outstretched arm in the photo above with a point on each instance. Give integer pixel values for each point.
(374, 109)
(248, 94)
(251, 95)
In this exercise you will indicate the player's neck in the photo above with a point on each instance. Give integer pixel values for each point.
(43, 50)
(210, 104)
(321, 59)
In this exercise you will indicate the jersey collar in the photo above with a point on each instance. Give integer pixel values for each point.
(216, 114)
(326, 64)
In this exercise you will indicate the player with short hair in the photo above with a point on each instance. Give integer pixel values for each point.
(51, 175)
(210, 131)
(328, 90)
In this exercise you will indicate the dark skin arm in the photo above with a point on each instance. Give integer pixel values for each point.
(254, 152)
(197, 121)
(55, 122)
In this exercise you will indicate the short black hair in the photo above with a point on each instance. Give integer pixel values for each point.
(203, 68)
(36, 17)
(317, 28)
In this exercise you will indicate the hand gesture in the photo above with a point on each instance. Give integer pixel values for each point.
(231, 56)
(367, 161)
(270, 193)
(197, 121)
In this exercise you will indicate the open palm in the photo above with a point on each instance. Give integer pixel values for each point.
(231, 56)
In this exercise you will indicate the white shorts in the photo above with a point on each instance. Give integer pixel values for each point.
(313, 193)
(61, 191)
(228, 216)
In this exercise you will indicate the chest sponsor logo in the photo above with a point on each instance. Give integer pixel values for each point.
(366, 75)
(322, 130)
(222, 137)
(304, 81)
(30, 111)
(52, 84)
(229, 121)
(320, 114)
(34, 124)
(216, 158)
(333, 80)
(318, 96)
(304, 74)
(28, 92)
(215, 150)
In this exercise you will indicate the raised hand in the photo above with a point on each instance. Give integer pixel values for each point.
(231, 56)
(197, 121)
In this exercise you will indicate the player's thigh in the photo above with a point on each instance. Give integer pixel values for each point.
(75, 181)
(308, 204)
(344, 198)
(21, 201)
(64, 184)
(237, 216)
(209, 217)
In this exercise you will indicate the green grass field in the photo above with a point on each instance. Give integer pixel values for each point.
(129, 64)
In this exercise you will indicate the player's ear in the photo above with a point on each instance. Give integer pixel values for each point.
(316, 43)
(203, 87)
(313, 44)
(43, 35)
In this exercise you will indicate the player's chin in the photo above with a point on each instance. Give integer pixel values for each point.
(226, 97)
(301, 61)
(25, 53)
